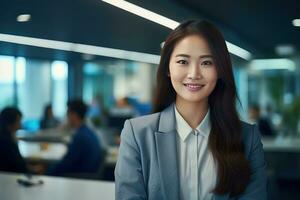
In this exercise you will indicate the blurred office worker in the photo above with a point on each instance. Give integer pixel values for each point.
(10, 157)
(194, 146)
(263, 123)
(84, 151)
(48, 120)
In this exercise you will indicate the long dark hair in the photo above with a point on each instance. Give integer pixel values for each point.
(225, 140)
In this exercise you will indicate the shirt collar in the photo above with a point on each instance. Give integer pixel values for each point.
(184, 129)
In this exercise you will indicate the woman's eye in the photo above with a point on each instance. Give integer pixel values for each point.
(182, 62)
(207, 62)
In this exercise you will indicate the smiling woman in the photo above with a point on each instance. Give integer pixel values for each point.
(194, 146)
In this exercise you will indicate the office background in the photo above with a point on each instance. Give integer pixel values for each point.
(53, 51)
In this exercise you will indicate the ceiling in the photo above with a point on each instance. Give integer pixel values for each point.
(257, 26)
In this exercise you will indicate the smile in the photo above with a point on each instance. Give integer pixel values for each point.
(193, 87)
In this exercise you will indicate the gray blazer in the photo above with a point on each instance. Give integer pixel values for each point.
(147, 166)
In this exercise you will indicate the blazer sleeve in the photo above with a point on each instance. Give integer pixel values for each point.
(257, 188)
(129, 181)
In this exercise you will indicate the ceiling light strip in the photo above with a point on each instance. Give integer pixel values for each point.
(44, 43)
(81, 48)
(238, 51)
(142, 12)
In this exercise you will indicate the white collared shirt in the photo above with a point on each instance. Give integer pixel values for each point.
(197, 169)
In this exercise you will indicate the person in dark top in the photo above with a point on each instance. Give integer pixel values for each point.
(48, 120)
(10, 157)
(84, 152)
(264, 125)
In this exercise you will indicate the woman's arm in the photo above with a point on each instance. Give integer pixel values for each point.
(128, 173)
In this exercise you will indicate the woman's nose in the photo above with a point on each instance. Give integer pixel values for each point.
(194, 72)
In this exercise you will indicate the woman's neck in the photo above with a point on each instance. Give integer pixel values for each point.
(193, 113)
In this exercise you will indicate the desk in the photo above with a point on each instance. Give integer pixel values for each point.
(283, 156)
(50, 135)
(55, 188)
(34, 151)
(281, 144)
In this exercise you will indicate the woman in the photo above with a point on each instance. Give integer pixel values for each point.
(10, 157)
(48, 121)
(194, 146)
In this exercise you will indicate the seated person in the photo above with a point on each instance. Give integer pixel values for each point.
(84, 152)
(264, 124)
(10, 157)
(48, 120)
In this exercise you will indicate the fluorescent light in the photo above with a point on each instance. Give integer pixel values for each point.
(169, 23)
(81, 48)
(23, 18)
(116, 53)
(238, 51)
(142, 12)
(37, 42)
(284, 50)
(272, 64)
(296, 22)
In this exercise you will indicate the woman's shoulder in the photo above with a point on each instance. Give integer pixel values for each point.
(141, 129)
(145, 121)
(249, 127)
(251, 134)
(246, 125)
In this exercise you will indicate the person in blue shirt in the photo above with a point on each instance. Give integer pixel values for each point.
(84, 151)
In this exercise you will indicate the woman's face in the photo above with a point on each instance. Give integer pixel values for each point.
(192, 70)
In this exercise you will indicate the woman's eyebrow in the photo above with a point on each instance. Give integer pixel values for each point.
(206, 56)
(188, 56)
(183, 55)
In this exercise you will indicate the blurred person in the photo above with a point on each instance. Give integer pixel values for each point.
(97, 112)
(123, 108)
(10, 157)
(84, 151)
(274, 118)
(122, 111)
(48, 120)
(141, 108)
(263, 123)
(194, 146)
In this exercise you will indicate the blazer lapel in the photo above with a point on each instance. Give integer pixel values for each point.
(167, 153)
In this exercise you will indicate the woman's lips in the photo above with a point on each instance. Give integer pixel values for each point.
(193, 87)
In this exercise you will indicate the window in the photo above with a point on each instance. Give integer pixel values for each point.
(31, 84)
(6, 81)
